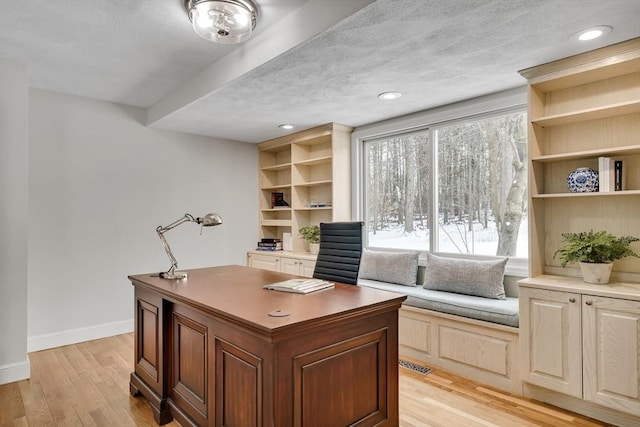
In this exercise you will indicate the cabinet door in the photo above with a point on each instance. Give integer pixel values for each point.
(191, 383)
(551, 340)
(611, 329)
(307, 267)
(290, 266)
(299, 267)
(149, 337)
(264, 262)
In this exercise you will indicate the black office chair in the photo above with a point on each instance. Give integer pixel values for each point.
(340, 252)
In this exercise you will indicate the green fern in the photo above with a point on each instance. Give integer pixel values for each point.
(310, 233)
(595, 247)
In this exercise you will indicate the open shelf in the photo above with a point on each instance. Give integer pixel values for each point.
(594, 194)
(316, 161)
(588, 154)
(602, 112)
(279, 167)
(314, 183)
(602, 67)
(325, 208)
(276, 222)
(277, 187)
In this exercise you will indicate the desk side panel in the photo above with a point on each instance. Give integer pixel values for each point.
(150, 372)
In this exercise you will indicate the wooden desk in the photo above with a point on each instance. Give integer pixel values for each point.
(208, 353)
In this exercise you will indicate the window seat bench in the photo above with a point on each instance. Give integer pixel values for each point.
(472, 336)
(501, 311)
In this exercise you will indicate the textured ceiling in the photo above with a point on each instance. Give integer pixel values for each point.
(309, 63)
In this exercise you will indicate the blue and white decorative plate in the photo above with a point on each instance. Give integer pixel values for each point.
(583, 180)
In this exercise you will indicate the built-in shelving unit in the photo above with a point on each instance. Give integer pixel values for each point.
(582, 108)
(312, 170)
(574, 336)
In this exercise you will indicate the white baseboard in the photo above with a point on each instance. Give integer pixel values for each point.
(73, 336)
(13, 372)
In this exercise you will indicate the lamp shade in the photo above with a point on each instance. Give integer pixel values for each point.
(222, 21)
(210, 220)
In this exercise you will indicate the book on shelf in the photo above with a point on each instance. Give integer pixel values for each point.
(268, 248)
(270, 245)
(277, 201)
(606, 174)
(300, 286)
(618, 176)
(270, 240)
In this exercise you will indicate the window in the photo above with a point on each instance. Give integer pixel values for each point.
(456, 187)
(399, 191)
(482, 183)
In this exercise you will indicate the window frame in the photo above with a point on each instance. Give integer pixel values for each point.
(510, 101)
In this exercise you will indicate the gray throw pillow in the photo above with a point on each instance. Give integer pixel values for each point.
(462, 276)
(393, 267)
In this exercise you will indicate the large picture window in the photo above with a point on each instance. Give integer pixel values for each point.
(457, 188)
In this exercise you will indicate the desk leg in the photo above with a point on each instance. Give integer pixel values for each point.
(160, 408)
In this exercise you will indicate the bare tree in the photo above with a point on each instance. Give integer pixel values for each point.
(411, 187)
(512, 134)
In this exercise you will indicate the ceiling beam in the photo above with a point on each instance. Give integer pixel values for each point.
(310, 19)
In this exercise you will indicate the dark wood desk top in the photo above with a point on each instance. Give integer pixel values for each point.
(235, 293)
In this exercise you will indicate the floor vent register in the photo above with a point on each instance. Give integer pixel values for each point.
(414, 366)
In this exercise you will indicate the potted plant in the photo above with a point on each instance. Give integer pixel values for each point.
(311, 234)
(595, 251)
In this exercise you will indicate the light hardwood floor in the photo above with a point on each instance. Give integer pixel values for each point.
(87, 384)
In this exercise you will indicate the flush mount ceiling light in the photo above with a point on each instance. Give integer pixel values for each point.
(387, 96)
(591, 33)
(286, 126)
(222, 21)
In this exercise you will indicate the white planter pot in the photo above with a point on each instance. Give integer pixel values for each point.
(596, 273)
(314, 248)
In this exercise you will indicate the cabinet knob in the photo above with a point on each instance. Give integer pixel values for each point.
(589, 302)
(572, 300)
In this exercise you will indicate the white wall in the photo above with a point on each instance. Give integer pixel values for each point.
(14, 364)
(100, 183)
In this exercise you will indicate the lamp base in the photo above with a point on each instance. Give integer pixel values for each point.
(174, 275)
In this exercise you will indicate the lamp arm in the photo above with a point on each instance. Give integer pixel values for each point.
(161, 230)
(186, 218)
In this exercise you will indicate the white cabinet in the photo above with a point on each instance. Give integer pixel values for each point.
(611, 354)
(582, 341)
(299, 264)
(264, 262)
(551, 342)
(299, 267)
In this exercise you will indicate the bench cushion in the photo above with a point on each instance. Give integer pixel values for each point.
(502, 311)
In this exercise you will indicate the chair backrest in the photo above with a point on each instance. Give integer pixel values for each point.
(340, 251)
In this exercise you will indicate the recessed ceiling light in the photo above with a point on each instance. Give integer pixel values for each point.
(386, 96)
(286, 126)
(591, 33)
